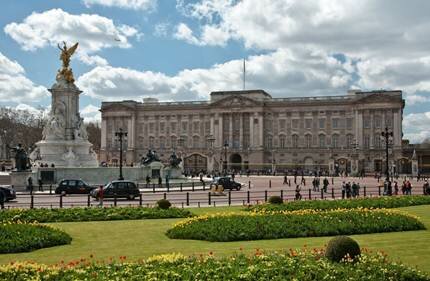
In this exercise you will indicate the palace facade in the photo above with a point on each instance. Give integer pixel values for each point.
(251, 130)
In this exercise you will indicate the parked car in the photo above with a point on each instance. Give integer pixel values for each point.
(226, 183)
(118, 189)
(9, 192)
(73, 187)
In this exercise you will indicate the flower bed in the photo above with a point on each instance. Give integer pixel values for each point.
(287, 224)
(91, 214)
(369, 202)
(24, 237)
(293, 265)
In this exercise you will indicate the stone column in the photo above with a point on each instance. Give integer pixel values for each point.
(251, 130)
(220, 131)
(397, 128)
(104, 136)
(230, 130)
(261, 132)
(359, 128)
(240, 130)
(372, 128)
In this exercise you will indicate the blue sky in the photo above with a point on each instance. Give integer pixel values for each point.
(183, 50)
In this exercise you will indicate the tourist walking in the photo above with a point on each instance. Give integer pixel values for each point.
(101, 196)
(40, 183)
(325, 184)
(426, 188)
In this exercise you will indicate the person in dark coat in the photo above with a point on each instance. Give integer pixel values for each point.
(30, 184)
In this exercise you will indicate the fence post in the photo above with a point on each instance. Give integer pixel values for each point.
(265, 196)
(61, 200)
(209, 199)
(188, 199)
(332, 181)
(248, 197)
(332, 192)
(140, 199)
(322, 194)
(364, 191)
(192, 186)
(31, 201)
(153, 188)
(88, 200)
(204, 186)
(50, 189)
(310, 194)
(379, 190)
(229, 197)
(270, 183)
(249, 184)
(168, 187)
(164, 196)
(180, 186)
(114, 199)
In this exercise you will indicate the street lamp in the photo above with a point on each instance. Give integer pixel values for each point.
(121, 135)
(225, 157)
(386, 135)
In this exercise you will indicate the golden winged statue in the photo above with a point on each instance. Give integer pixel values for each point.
(66, 53)
(65, 72)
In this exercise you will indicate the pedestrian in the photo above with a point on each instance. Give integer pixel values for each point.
(40, 183)
(30, 185)
(408, 188)
(285, 180)
(160, 181)
(298, 196)
(101, 195)
(167, 181)
(2, 199)
(303, 181)
(348, 190)
(325, 184)
(396, 188)
(426, 188)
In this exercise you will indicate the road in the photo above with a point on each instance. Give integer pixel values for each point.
(256, 189)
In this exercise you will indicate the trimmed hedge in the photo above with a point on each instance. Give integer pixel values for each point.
(305, 223)
(293, 265)
(23, 237)
(368, 202)
(341, 247)
(91, 214)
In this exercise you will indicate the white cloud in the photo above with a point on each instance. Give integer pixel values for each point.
(93, 32)
(416, 99)
(14, 86)
(161, 29)
(418, 126)
(91, 113)
(183, 32)
(281, 73)
(142, 5)
(92, 60)
(33, 110)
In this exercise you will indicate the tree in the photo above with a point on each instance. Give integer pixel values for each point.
(94, 135)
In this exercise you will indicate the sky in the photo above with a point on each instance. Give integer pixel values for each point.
(183, 50)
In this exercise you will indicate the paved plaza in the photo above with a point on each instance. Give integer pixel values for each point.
(256, 189)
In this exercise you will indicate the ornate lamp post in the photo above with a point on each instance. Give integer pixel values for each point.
(225, 157)
(387, 136)
(120, 135)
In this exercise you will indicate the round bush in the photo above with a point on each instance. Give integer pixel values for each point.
(340, 246)
(164, 204)
(275, 200)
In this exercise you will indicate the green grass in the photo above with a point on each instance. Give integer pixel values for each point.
(142, 238)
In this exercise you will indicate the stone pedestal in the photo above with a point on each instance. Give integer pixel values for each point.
(153, 170)
(19, 180)
(173, 172)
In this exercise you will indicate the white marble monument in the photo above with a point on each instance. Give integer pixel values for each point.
(65, 140)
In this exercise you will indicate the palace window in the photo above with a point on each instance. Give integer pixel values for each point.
(321, 123)
(349, 123)
(377, 141)
(295, 123)
(173, 142)
(282, 141)
(308, 123)
(162, 127)
(162, 142)
(335, 123)
(366, 139)
(308, 141)
(335, 141)
(184, 127)
(295, 139)
(366, 122)
(377, 121)
(151, 128)
(269, 142)
(349, 141)
(151, 142)
(173, 127)
(196, 142)
(321, 140)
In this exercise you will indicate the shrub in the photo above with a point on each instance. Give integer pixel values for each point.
(164, 204)
(295, 265)
(304, 223)
(275, 200)
(369, 202)
(23, 237)
(340, 247)
(91, 214)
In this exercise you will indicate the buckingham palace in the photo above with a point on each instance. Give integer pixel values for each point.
(251, 130)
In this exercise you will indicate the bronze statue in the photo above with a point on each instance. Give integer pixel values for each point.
(21, 158)
(65, 71)
(174, 160)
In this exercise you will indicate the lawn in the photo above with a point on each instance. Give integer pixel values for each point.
(138, 239)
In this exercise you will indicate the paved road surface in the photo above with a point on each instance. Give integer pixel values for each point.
(255, 189)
